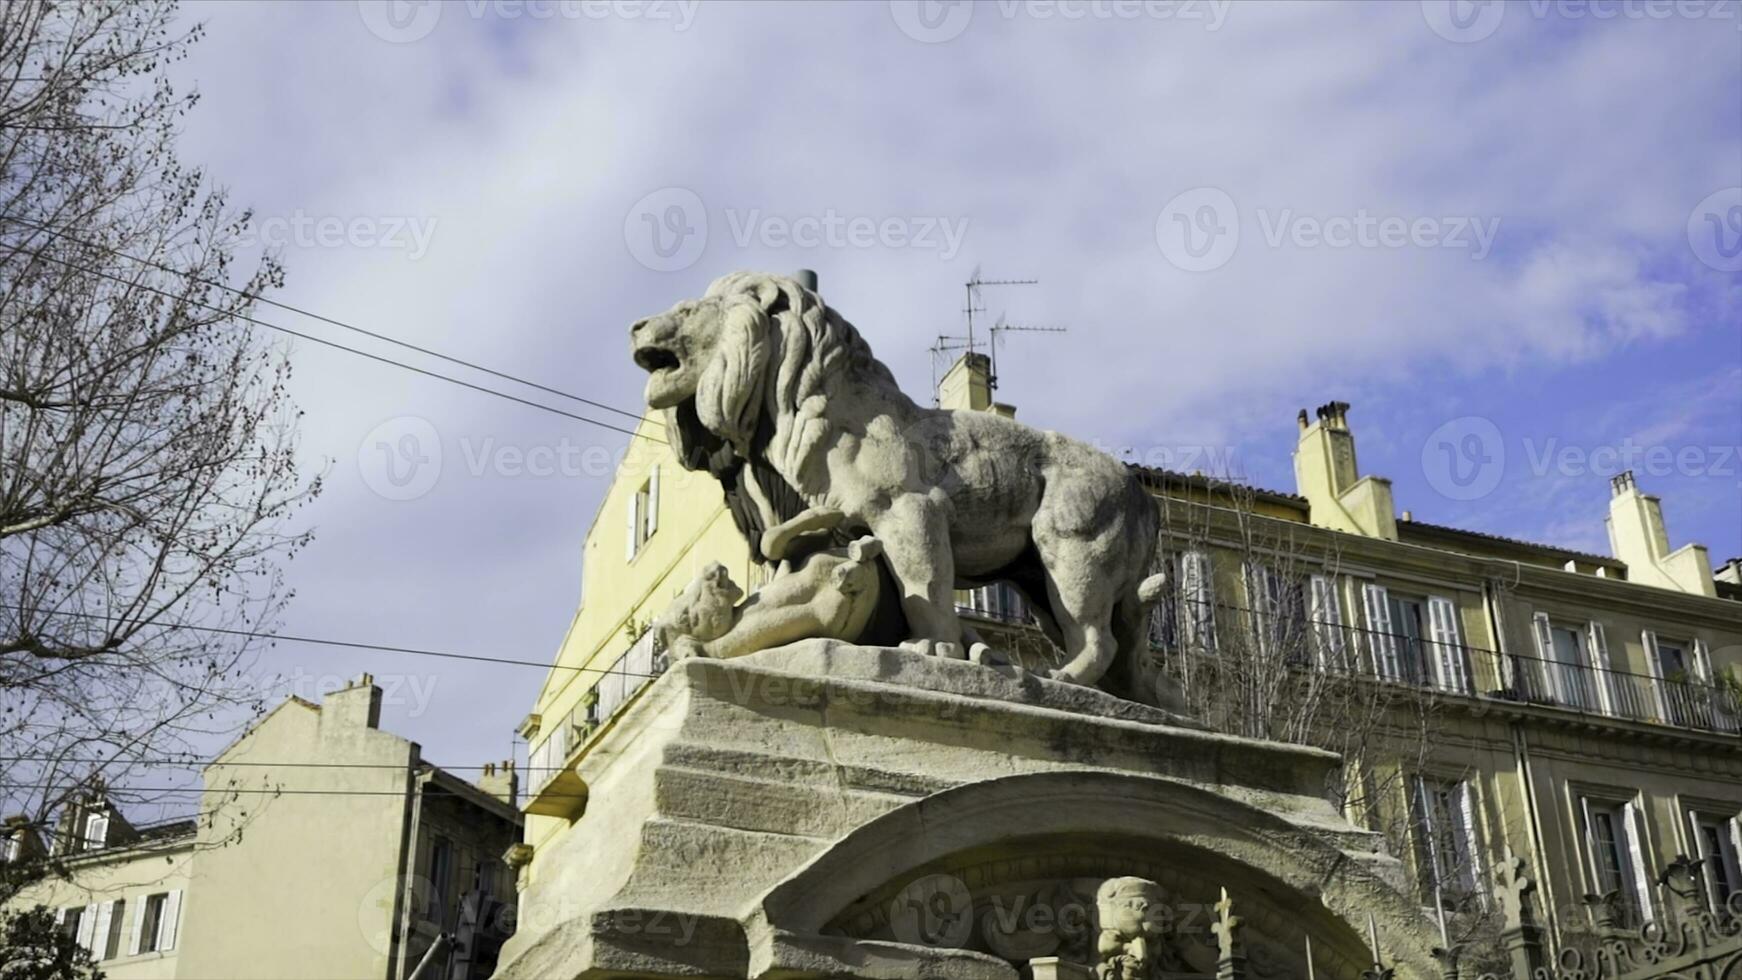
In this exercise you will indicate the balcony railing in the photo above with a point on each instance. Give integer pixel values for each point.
(1452, 668)
(616, 684)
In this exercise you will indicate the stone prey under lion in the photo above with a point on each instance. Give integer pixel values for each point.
(775, 393)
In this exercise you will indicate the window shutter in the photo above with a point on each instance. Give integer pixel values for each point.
(1654, 665)
(1702, 662)
(1548, 680)
(171, 916)
(1636, 854)
(632, 527)
(1598, 642)
(1259, 602)
(87, 926)
(1473, 842)
(1199, 598)
(1379, 635)
(138, 926)
(1449, 660)
(1327, 616)
(100, 931)
(652, 501)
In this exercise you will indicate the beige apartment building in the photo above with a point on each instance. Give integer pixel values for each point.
(1583, 706)
(328, 849)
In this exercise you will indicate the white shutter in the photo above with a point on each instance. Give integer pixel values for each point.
(1636, 854)
(1702, 662)
(1654, 664)
(87, 926)
(1450, 665)
(652, 501)
(1473, 842)
(1379, 636)
(138, 925)
(1554, 683)
(100, 933)
(1258, 601)
(1198, 595)
(171, 917)
(632, 527)
(1327, 616)
(1598, 643)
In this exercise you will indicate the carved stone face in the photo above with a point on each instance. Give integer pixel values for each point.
(1124, 905)
(674, 348)
(720, 581)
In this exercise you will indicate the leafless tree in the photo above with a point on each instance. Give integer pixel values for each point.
(147, 449)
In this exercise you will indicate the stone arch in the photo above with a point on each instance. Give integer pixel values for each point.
(1321, 880)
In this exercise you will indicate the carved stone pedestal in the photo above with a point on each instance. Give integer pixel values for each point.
(824, 810)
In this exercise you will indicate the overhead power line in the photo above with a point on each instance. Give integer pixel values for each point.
(224, 790)
(335, 344)
(352, 644)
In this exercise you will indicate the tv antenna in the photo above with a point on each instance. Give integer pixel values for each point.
(970, 342)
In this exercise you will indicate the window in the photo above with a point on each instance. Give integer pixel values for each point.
(1616, 857)
(441, 873)
(1279, 614)
(1715, 844)
(1448, 852)
(1567, 651)
(96, 834)
(14, 847)
(1416, 639)
(70, 922)
(1681, 670)
(154, 923)
(643, 515)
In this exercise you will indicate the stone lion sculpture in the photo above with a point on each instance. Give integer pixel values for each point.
(780, 397)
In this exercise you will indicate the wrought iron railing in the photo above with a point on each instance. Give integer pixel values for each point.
(1680, 702)
(615, 685)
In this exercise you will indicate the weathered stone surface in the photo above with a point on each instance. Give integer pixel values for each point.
(780, 397)
(768, 816)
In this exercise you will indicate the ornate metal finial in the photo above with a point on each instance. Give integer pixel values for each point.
(1231, 954)
(1447, 956)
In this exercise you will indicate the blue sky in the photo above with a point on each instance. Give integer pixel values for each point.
(499, 169)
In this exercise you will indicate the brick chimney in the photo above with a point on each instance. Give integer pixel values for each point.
(1325, 473)
(1638, 537)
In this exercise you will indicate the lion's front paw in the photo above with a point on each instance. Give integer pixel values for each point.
(684, 647)
(1063, 676)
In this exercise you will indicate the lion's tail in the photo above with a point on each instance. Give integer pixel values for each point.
(1151, 589)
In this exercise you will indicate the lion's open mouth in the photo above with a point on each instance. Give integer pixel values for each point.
(655, 359)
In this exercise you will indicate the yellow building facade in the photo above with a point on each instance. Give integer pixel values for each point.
(1582, 716)
(327, 849)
